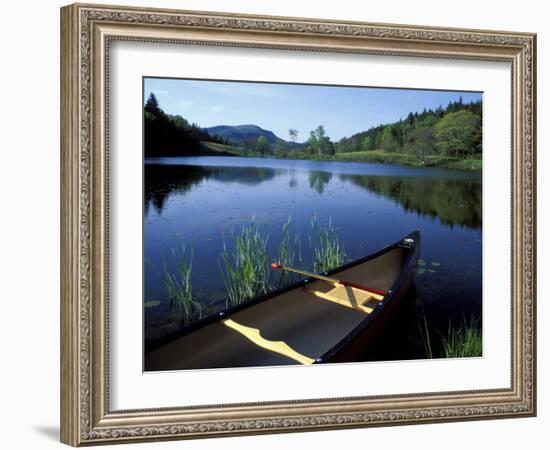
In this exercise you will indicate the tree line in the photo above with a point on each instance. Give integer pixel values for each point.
(172, 135)
(452, 131)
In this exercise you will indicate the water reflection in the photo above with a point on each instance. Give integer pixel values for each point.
(318, 180)
(161, 180)
(454, 201)
(248, 176)
(292, 180)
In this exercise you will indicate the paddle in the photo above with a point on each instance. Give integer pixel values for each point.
(359, 286)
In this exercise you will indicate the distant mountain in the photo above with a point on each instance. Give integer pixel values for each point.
(240, 134)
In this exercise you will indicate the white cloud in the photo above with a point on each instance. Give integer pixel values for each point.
(217, 108)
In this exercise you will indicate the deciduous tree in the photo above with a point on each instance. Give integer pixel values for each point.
(459, 133)
(262, 145)
(293, 135)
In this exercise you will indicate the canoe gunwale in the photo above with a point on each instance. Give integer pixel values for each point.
(300, 284)
(395, 292)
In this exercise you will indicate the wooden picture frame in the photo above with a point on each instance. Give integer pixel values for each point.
(86, 34)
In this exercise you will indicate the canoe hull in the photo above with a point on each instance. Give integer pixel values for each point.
(366, 334)
(318, 329)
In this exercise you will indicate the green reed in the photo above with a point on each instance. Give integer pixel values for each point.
(289, 254)
(179, 287)
(245, 270)
(328, 253)
(244, 262)
(463, 341)
(425, 336)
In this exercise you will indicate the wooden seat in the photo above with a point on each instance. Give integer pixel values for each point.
(280, 347)
(349, 297)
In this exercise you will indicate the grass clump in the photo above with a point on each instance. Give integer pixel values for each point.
(328, 253)
(463, 341)
(179, 287)
(245, 270)
(289, 253)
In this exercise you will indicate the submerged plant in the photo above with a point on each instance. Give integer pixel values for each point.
(328, 253)
(245, 269)
(179, 287)
(463, 341)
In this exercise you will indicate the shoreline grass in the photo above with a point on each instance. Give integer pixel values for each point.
(289, 254)
(245, 265)
(425, 336)
(365, 156)
(328, 253)
(180, 289)
(463, 341)
(245, 270)
(402, 159)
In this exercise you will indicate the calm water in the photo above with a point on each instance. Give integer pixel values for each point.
(199, 202)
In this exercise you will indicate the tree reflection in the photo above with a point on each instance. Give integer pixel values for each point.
(318, 180)
(453, 201)
(161, 180)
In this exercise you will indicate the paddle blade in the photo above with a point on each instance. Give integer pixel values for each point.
(275, 265)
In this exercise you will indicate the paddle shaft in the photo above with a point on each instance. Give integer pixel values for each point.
(359, 286)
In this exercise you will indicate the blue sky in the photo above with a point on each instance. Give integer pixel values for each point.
(343, 111)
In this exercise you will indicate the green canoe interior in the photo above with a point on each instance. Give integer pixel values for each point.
(308, 324)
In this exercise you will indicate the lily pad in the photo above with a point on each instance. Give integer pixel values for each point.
(435, 263)
(431, 270)
(421, 262)
(420, 271)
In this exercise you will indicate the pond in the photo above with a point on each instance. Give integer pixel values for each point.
(199, 204)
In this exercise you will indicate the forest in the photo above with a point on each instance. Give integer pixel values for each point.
(172, 135)
(453, 131)
(442, 137)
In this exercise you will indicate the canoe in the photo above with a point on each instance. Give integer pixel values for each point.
(310, 322)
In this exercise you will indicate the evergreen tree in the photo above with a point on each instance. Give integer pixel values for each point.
(152, 106)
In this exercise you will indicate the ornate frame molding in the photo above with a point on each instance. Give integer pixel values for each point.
(86, 31)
